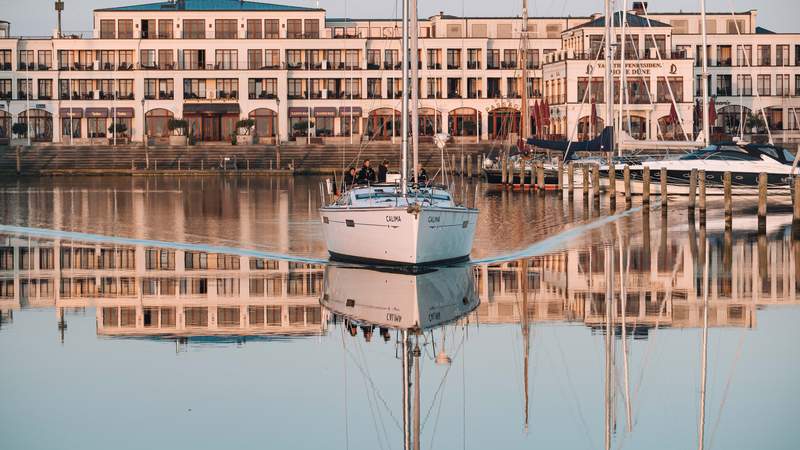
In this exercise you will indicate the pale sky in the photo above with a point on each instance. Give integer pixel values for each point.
(37, 17)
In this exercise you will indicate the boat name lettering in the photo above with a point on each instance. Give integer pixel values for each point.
(393, 219)
(392, 317)
(434, 219)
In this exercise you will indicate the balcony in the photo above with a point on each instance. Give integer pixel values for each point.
(434, 95)
(454, 94)
(371, 95)
(434, 66)
(453, 66)
(27, 66)
(727, 62)
(509, 64)
(492, 66)
(44, 97)
(192, 96)
(494, 94)
(227, 95)
(473, 65)
(21, 95)
(474, 94)
(5, 95)
(106, 96)
(5, 66)
(263, 95)
(724, 91)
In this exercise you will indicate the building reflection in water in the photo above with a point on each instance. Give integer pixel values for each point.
(148, 291)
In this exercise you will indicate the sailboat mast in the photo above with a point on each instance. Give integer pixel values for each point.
(524, 115)
(525, 334)
(404, 105)
(703, 368)
(609, 85)
(623, 87)
(706, 125)
(406, 400)
(417, 354)
(414, 87)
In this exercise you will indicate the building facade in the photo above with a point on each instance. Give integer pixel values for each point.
(299, 74)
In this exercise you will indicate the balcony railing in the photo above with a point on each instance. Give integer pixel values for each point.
(473, 65)
(263, 95)
(474, 94)
(453, 66)
(5, 66)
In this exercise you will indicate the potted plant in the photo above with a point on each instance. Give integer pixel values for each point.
(179, 128)
(20, 129)
(118, 129)
(754, 122)
(244, 128)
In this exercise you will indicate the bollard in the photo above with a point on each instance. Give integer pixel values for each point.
(612, 180)
(503, 164)
(796, 195)
(469, 166)
(133, 167)
(701, 179)
(571, 178)
(179, 164)
(560, 175)
(202, 163)
(626, 181)
(692, 189)
(596, 179)
(247, 161)
(585, 171)
(762, 201)
(155, 165)
(540, 176)
(646, 185)
(19, 162)
(663, 178)
(726, 184)
(270, 164)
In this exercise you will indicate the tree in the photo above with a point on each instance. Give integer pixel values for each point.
(118, 128)
(245, 124)
(20, 129)
(178, 126)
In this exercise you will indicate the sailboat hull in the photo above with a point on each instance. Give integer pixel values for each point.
(399, 235)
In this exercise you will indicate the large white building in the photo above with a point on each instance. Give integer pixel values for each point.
(213, 62)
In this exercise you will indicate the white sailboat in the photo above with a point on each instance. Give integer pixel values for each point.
(403, 223)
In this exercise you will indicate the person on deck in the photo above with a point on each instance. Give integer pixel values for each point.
(423, 176)
(383, 169)
(349, 178)
(366, 174)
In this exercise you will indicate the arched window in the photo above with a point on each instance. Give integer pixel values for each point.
(156, 122)
(636, 126)
(730, 118)
(5, 127)
(464, 122)
(670, 129)
(588, 130)
(430, 122)
(266, 122)
(41, 126)
(383, 123)
(502, 122)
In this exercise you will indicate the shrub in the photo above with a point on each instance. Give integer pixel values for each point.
(20, 129)
(178, 126)
(118, 128)
(247, 124)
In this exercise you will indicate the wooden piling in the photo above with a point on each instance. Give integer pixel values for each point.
(701, 179)
(133, 166)
(503, 164)
(179, 164)
(692, 190)
(155, 165)
(452, 164)
(521, 174)
(626, 180)
(560, 175)
(596, 179)
(202, 163)
(762, 201)
(469, 166)
(796, 195)
(571, 178)
(19, 161)
(585, 171)
(540, 175)
(663, 179)
(646, 185)
(612, 180)
(726, 184)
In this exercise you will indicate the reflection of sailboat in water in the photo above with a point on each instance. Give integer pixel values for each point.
(409, 303)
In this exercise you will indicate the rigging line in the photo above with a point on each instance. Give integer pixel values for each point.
(464, 401)
(370, 402)
(436, 420)
(372, 385)
(727, 388)
(380, 417)
(575, 399)
(346, 412)
(441, 384)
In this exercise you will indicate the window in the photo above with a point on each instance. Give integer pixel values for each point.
(194, 28)
(5, 89)
(226, 59)
(493, 59)
(165, 28)
(312, 28)
(724, 57)
(125, 29)
(434, 87)
(5, 59)
(166, 59)
(271, 28)
(744, 55)
(262, 88)
(680, 26)
(96, 127)
(26, 61)
(149, 29)
(352, 59)
(532, 57)
(227, 88)
(473, 58)
(763, 56)
(781, 55)
(294, 29)
(254, 59)
(192, 59)
(68, 124)
(478, 30)
(796, 85)
(724, 85)
(272, 59)
(147, 59)
(662, 91)
(45, 60)
(161, 89)
(390, 59)
(125, 89)
(782, 85)
(454, 30)
(764, 87)
(504, 31)
(294, 59)
(46, 89)
(24, 89)
(297, 88)
(509, 59)
(254, 30)
(434, 58)
(374, 88)
(453, 58)
(373, 59)
(352, 88)
(125, 59)
(194, 88)
(744, 85)
(225, 29)
(108, 29)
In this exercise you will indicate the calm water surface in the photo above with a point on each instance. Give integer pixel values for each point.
(590, 335)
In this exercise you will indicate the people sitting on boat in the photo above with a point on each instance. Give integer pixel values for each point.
(383, 169)
(384, 332)
(349, 178)
(423, 176)
(366, 174)
(366, 330)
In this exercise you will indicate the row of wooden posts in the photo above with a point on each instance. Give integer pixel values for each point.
(697, 184)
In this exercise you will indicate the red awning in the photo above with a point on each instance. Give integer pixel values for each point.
(75, 113)
(325, 111)
(96, 112)
(298, 112)
(345, 110)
